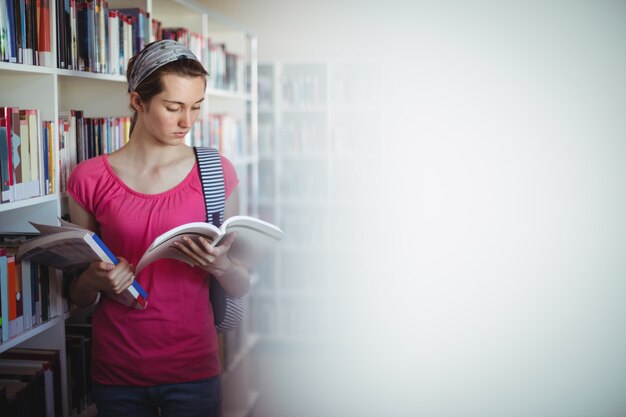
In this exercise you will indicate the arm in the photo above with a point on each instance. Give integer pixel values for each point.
(231, 273)
(100, 276)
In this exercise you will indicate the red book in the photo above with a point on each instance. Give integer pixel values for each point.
(45, 52)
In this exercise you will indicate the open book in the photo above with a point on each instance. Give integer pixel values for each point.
(71, 248)
(253, 235)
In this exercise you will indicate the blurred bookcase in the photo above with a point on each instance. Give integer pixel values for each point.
(320, 142)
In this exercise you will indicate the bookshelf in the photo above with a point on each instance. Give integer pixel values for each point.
(320, 130)
(231, 97)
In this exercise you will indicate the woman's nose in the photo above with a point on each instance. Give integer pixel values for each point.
(185, 119)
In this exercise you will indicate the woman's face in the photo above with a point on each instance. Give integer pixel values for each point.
(170, 114)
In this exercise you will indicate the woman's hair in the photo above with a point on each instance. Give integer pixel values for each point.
(152, 84)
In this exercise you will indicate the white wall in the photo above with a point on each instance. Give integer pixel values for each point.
(322, 30)
(505, 264)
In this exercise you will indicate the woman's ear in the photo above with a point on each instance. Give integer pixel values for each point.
(136, 102)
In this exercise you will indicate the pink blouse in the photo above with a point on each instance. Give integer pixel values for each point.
(174, 339)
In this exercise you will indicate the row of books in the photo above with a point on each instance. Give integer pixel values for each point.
(30, 383)
(78, 354)
(30, 294)
(225, 68)
(30, 379)
(81, 138)
(223, 132)
(92, 37)
(226, 134)
(29, 170)
(25, 32)
(26, 162)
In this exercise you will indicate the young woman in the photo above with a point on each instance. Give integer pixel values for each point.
(166, 356)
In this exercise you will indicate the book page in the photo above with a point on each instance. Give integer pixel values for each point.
(162, 248)
(70, 254)
(253, 232)
(197, 229)
(46, 229)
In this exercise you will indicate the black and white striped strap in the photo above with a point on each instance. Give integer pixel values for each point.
(228, 311)
(212, 177)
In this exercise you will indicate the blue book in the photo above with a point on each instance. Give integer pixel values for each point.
(71, 248)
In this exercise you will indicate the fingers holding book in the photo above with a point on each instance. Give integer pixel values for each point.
(212, 259)
(104, 276)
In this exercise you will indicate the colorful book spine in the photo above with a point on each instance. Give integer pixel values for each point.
(135, 296)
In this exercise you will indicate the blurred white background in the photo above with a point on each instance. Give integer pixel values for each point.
(497, 286)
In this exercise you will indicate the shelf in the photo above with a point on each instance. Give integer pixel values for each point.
(8, 66)
(28, 202)
(235, 95)
(91, 75)
(30, 333)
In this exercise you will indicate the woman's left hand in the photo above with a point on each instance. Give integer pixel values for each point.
(213, 260)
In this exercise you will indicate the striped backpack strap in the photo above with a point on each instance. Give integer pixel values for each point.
(228, 312)
(212, 177)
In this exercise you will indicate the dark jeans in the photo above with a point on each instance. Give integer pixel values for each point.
(191, 399)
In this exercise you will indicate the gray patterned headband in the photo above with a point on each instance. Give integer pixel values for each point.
(153, 57)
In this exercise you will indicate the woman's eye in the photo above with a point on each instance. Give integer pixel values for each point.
(171, 109)
(195, 108)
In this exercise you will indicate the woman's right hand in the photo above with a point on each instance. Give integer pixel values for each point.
(104, 276)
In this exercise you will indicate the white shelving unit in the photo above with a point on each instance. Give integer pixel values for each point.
(54, 91)
(320, 127)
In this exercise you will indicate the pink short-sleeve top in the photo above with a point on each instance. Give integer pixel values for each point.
(174, 339)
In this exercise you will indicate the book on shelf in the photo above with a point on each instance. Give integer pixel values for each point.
(45, 371)
(6, 171)
(254, 236)
(39, 382)
(71, 248)
(15, 397)
(51, 362)
(28, 296)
